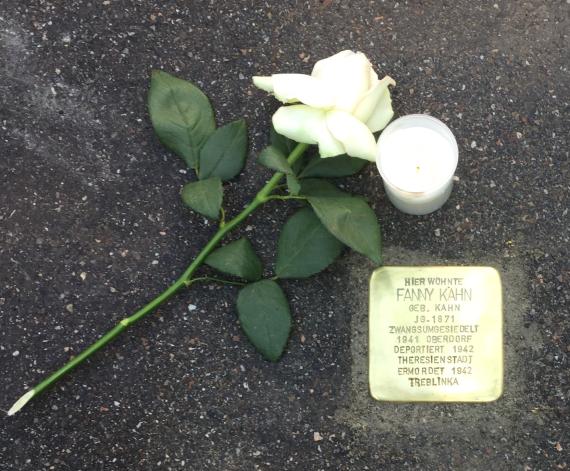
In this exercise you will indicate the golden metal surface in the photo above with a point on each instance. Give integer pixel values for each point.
(436, 334)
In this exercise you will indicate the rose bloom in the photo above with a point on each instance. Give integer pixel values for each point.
(343, 103)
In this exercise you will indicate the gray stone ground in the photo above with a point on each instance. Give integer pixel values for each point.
(87, 189)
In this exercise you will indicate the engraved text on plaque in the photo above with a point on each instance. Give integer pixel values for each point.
(436, 334)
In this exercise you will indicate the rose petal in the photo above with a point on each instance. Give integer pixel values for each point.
(292, 88)
(373, 78)
(324, 67)
(383, 112)
(328, 145)
(348, 74)
(265, 83)
(353, 134)
(376, 102)
(305, 124)
(298, 122)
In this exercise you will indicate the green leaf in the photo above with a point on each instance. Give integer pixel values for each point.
(299, 164)
(204, 196)
(280, 142)
(316, 187)
(224, 153)
(181, 115)
(351, 221)
(237, 258)
(348, 218)
(265, 318)
(274, 159)
(332, 167)
(305, 246)
(293, 184)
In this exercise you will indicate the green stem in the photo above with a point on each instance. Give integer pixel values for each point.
(284, 198)
(280, 187)
(261, 197)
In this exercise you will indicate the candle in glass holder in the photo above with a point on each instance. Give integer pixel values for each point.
(417, 157)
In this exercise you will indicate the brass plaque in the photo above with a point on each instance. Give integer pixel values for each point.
(436, 334)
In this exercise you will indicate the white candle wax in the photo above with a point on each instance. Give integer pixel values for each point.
(417, 157)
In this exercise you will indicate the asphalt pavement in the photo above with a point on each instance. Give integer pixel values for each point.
(92, 226)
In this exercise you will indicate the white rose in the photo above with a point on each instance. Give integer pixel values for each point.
(343, 104)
